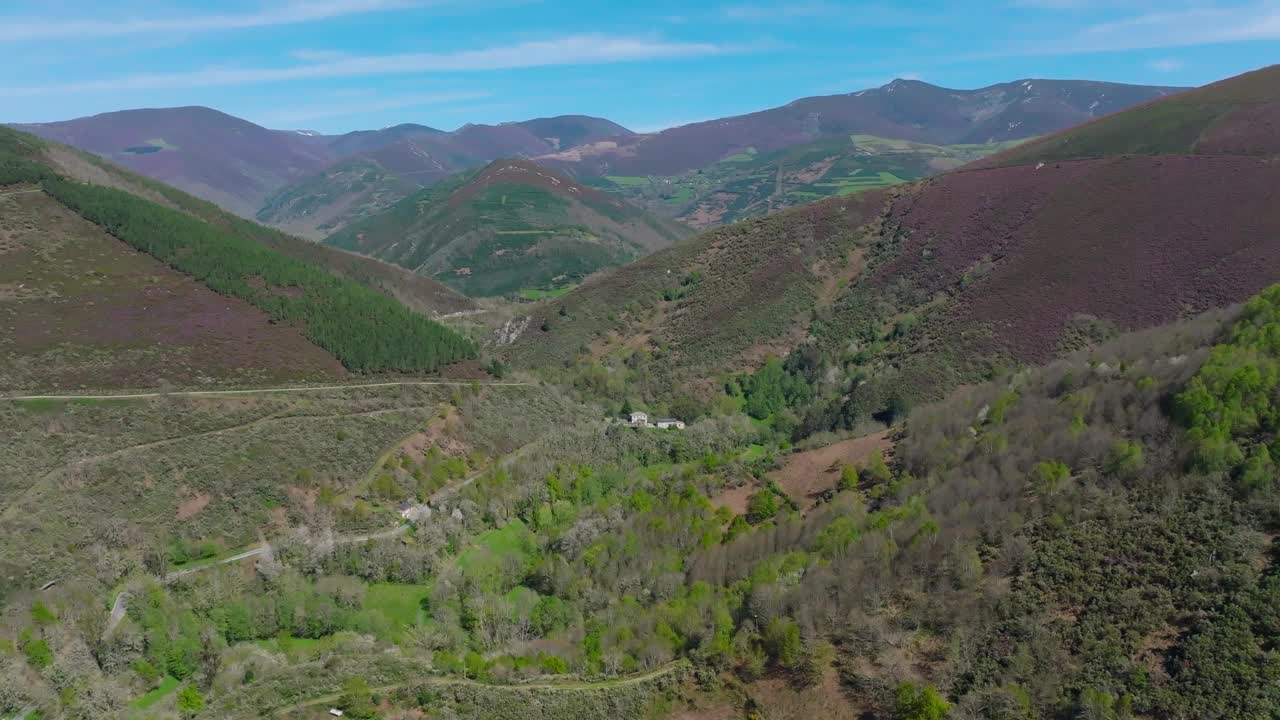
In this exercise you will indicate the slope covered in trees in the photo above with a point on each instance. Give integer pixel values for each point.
(509, 228)
(1059, 542)
(906, 293)
(364, 329)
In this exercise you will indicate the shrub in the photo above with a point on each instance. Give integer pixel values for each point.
(1047, 477)
(37, 652)
(356, 700)
(912, 702)
(848, 478)
(1124, 459)
(782, 642)
(762, 506)
(190, 701)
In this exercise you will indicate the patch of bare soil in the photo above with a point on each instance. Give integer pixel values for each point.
(806, 475)
(811, 173)
(709, 211)
(735, 499)
(1154, 649)
(778, 699)
(707, 711)
(191, 507)
(442, 432)
(304, 498)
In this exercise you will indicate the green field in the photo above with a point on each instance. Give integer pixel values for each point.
(626, 180)
(492, 554)
(749, 184)
(401, 604)
(161, 691)
(541, 294)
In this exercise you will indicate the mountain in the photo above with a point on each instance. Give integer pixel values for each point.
(751, 184)
(210, 154)
(901, 110)
(566, 131)
(1239, 116)
(379, 167)
(511, 227)
(112, 280)
(923, 286)
(312, 184)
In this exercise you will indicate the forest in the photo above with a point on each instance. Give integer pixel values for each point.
(1088, 539)
(365, 330)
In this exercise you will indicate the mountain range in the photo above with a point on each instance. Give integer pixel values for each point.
(998, 440)
(1134, 220)
(312, 184)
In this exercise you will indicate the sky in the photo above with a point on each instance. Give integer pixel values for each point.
(340, 65)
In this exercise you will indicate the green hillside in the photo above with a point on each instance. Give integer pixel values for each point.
(346, 192)
(508, 228)
(362, 328)
(750, 184)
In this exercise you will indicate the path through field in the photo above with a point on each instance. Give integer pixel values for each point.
(264, 391)
(436, 680)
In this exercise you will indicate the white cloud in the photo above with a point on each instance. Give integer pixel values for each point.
(17, 29)
(764, 13)
(569, 50)
(1201, 25)
(1197, 26)
(319, 55)
(1166, 65)
(297, 115)
(864, 15)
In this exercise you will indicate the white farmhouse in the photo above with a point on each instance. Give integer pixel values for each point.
(639, 419)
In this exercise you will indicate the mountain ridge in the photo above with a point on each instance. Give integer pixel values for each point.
(510, 226)
(295, 179)
(928, 285)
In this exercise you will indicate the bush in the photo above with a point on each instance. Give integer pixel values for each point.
(1047, 477)
(912, 702)
(190, 701)
(356, 700)
(37, 652)
(782, 642)
(1124, 459)
(762, 506)
(848, 478)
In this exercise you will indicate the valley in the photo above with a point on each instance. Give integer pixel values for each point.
(909, 403)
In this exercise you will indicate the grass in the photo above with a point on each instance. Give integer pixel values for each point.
(76, 471)
(492, 553)
(402, 604)
(745, 156)
(160, 692)
(752, 453)
(143, 461)
(627, 180)
(748, 184)
(541, 294)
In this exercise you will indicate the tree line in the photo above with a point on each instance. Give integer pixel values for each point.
(366, 331)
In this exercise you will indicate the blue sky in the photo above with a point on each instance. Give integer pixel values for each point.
(338, 65)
